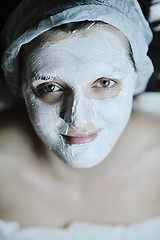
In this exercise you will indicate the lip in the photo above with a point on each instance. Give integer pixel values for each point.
(80, 138)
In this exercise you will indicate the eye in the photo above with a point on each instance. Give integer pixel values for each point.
(104, 87)
(104, 83)
(51, 88)
(44, 89)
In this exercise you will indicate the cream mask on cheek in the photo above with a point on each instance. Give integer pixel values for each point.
(77, 124)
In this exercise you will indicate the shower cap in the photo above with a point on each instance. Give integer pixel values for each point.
(33, 17)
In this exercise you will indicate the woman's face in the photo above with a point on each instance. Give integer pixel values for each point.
(78, 90)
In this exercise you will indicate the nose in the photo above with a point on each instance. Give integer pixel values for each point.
(76, 110)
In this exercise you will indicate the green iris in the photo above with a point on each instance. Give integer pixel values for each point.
(49, 88)
(105, 83)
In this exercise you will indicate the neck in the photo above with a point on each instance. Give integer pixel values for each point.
(64, 172)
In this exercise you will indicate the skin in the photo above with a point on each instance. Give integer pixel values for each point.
(38, 189)
(54, 194)
(92, 75)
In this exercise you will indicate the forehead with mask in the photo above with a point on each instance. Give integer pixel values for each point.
(78, 85)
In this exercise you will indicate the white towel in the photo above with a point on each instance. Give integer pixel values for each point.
(146, 230)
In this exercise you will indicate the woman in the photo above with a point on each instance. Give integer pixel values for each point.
(77, 68)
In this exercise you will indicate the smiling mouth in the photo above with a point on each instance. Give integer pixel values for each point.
(80, 138)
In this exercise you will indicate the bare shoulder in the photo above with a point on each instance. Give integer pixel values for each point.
(143, 133)
(146, 124)
(141, 140)
(17, 136)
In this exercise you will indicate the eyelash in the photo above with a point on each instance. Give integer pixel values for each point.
(41, 89)
(99, 81)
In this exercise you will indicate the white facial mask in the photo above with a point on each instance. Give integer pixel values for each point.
(77, 61)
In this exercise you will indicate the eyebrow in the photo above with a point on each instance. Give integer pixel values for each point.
(37, 78)
(42, 77)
